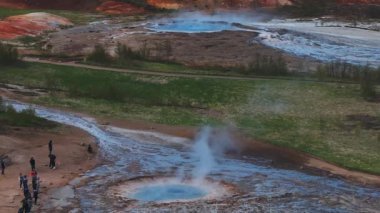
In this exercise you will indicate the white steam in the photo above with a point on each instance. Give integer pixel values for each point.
(203, 154)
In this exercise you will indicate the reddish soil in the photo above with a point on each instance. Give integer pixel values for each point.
(20, 144)
(49, 4)
(118, 8)
(30, 24)
(166, 4)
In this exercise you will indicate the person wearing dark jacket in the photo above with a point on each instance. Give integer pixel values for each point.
(89, 149)
(2, 166)
(32, 163)
(52, 161)
(29, 201)
(23, 206)
(34, 182)
(21, 178)
(35, 196)
(25, 185)
(50, 146)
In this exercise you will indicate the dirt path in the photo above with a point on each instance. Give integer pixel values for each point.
(20, 144)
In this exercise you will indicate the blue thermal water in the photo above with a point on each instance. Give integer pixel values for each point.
(164, 192)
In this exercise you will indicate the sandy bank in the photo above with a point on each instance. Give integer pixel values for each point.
(20, 144)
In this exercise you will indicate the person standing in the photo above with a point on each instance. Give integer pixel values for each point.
(35, 196)
(32, 163)
(23, 206)
(50, 160)
(29, 200)
(2, 166)
(21, 179)
(50, 147)
(89, 149)
(53, 158)
(25, 185)
(34, 182)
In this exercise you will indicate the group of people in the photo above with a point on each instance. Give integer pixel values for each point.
(27, 202)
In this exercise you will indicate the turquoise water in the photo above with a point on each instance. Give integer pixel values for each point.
(191, 26)
(168, 192)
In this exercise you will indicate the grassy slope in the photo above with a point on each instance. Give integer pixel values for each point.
(307, 116)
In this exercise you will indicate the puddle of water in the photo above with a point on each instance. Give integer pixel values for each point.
(168, 192)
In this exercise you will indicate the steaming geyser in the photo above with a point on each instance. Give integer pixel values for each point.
(180, 188)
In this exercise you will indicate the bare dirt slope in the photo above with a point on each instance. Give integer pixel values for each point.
(20, 144)
(30, 24)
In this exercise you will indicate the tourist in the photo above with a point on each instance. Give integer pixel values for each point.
(89, 149)
(2, 166)
(52, 161)
(29, 201)
(32, 163)
(20, 178)
(33, 173)
(23, 207)
(50, 146)
(26, 192)
(25, 185)
(34, 182)
(35, 195)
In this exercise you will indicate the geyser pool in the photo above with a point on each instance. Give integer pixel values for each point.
(168, 192)
(191, 26)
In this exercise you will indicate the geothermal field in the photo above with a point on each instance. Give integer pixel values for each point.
(190, 106)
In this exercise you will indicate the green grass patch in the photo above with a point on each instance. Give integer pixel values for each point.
(312, 117)
(27, 118)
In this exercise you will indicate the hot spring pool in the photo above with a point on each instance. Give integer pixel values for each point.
(167, 192)
(191, 26)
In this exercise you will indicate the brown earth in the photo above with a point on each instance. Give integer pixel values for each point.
(119, 8)
(195, 50)
(20, 144)
(227, 49)
(30, 24)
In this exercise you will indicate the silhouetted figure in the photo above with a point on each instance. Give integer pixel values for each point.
(52, 161)
(34, 182)
(2, 167)
(20, 179)
(23, 207)
(50, 147)
(29, 202)
(35, 195)
(32, 163)
(25, 185)
(89, 149)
